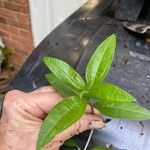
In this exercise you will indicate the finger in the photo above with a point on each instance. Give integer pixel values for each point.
(88, 121)
(46, 101)
(43, 89)
(11, 96)
(38, 105)
(90, 110)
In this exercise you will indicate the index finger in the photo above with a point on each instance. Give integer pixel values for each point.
(43, 89)
(46, 100)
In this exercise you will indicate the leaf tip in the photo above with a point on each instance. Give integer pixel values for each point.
(113, 37)
(38, 147)
(47, 76)
(39, 144)
(45, 59)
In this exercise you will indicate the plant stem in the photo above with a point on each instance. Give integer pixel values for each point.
(89, 138)
(78, 148)
(91, 132)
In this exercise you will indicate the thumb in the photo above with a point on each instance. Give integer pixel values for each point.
(87, 122)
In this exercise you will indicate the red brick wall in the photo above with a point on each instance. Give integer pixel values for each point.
(15, 29)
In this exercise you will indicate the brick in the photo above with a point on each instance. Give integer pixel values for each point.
(7, 13)
(16, 7)
(19, 24)
(28, 47)
(19, 54)
(26, 34)
(4, 33)
(21, 1)
(18, 47)
(14, 45)
(8, 0)
(10, 44)
(16, 58)
(23, 18)
(13, 30)
(26, 44)
(19, 58)
(3, 20)
(9, 29)
(3, 26)
(11, 6)
(20, 39)
(1, 4)
(15, 27)
(22, 52)
(25, 9)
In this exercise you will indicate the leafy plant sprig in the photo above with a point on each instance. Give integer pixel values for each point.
(110, 99)
(4, 58)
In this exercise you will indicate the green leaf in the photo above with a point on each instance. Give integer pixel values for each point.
(65, 73)
(124, 110)
(71, 143)
(60, 86)
(98, 147)
(63, 115)
(110, 93)
(100, 62)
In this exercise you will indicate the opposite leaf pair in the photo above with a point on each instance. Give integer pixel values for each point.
(110, 100)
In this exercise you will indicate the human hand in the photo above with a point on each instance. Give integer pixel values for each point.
(23, 115)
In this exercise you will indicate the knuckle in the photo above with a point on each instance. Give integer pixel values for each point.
(76, 129)
(86, 122)
(11, 94)
(10, 97)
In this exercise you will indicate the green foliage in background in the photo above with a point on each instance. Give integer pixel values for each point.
(4, 58)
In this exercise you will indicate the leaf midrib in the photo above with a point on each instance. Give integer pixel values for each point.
(108, 67)
(128, 109)
(72, 80)
(57, 122)
(99, 63)
(74, 91)
(99, 89)
(102, 59)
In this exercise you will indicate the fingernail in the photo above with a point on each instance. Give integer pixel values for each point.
(97, 124)
(96, 111)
